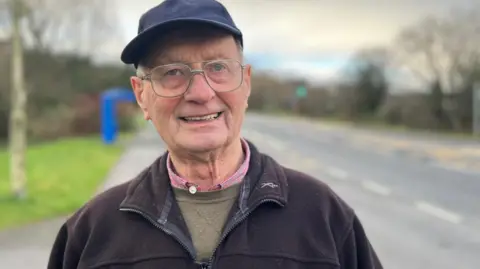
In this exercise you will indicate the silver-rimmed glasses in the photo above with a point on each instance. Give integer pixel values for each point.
(173, 80)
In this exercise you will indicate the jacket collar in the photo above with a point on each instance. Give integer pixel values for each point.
(151, 193)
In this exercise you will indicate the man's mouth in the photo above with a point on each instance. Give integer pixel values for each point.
(208, 117)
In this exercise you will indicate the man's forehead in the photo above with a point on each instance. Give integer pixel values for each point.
(194, 51)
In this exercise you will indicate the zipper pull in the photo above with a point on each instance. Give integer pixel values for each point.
(204, 265)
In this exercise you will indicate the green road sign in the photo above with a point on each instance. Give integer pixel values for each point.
(301, 91)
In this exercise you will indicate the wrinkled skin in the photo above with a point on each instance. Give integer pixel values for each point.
(204, 153)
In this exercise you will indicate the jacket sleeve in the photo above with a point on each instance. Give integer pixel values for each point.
(356, 252)
(63, 254)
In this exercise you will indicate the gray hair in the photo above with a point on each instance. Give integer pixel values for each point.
(141, 70)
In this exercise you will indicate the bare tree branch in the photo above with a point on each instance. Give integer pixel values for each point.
(5, 17)
(70, 25)
(440, 49)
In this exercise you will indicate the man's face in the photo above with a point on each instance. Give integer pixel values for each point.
(168, 114)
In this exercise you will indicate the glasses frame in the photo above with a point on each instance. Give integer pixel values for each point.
(193, 72)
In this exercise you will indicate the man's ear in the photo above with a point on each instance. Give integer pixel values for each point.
(140, 95)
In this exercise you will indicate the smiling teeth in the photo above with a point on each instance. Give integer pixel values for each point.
(207, 117)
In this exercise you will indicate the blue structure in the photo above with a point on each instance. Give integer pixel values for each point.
(109, 99)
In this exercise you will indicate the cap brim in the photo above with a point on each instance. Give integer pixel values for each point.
(135, 49)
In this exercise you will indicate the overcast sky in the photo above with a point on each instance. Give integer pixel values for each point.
(317, 34)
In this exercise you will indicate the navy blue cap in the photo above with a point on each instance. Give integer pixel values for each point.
(175, 12)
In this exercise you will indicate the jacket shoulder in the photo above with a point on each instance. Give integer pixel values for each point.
(94, 217)
(103, 206)
(318, 199)
(353, 248)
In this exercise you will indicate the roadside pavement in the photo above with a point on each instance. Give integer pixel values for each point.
(28, 247)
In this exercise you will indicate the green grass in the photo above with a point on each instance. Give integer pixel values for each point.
(62, 175)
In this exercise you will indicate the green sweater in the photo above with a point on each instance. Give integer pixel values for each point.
(205, 214)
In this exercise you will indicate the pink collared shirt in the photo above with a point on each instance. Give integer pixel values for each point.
(237, 177)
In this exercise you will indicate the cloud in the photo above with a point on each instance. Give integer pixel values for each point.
(314, 70)
(311, 37)
(306, 27)
(309, 27)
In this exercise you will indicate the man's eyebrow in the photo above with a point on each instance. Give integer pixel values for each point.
(171, 59)
(164, 58)
(215, 56)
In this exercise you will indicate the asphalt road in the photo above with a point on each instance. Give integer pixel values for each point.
(418, 198)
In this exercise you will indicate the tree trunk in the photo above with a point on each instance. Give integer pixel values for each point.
(18, 114)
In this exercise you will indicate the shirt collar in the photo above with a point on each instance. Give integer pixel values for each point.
(182, 183)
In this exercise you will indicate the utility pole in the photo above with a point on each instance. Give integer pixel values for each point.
(18, 110)
(476, 109)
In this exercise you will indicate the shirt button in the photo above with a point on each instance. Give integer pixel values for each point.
(192, 189)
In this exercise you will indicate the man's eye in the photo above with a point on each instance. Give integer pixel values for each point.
(218, 67)
(174, 72)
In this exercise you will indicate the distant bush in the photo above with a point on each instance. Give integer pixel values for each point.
(63, 97)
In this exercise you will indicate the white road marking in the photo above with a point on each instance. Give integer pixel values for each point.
(376, 188)
(438, 212)
(337, 173)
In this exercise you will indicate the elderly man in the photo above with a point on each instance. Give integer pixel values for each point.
(212, 200)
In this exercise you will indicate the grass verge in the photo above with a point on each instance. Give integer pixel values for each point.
(62, 175)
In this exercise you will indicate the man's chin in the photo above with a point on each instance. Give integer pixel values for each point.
(202, 143)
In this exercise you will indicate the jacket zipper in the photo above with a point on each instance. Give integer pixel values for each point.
(209, 265)
(167, 231)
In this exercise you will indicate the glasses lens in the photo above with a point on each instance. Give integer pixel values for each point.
(170, 80)
(223, 75)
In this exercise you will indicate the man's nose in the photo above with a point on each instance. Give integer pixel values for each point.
(199, 91)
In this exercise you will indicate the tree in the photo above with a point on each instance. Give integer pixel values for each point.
(444, 51)
(367, 74)
(45, 26)
(4, 14)
(18, 113)
(74, 26)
